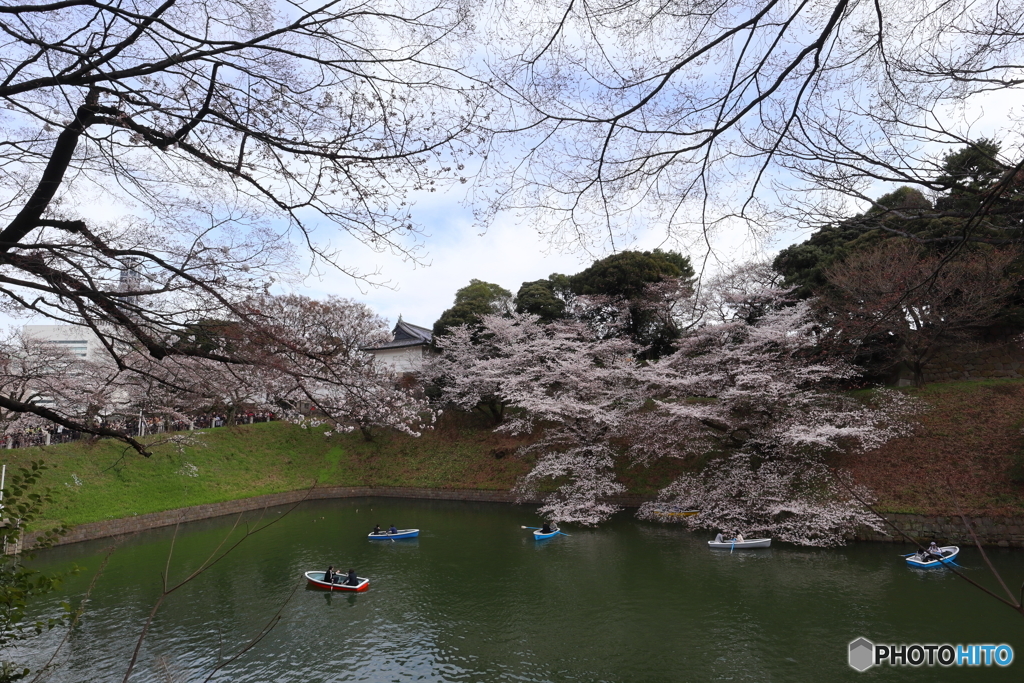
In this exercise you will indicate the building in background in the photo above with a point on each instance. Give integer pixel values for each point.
(408, 349)
(79, 341)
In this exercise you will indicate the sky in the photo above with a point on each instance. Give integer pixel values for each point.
(511, 251)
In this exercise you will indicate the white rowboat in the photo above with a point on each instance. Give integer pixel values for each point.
(741, 545)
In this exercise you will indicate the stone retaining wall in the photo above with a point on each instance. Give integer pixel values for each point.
(950, 364)
(1005, 532)
(128, 525)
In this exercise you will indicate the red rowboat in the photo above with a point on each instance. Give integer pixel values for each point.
(316, 580)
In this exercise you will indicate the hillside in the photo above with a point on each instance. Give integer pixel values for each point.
(104, 480)
(968, 448)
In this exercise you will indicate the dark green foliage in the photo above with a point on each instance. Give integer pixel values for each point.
(967, 176)
(903, 199)
(472, 302)
(546, 299)
(629, 306)
(1016, 472)
(970, 171)
(628, 273)
(20, 585)
(620, 281)
(804, 265)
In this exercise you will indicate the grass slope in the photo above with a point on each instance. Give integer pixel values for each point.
(103, 480)
(967, 449)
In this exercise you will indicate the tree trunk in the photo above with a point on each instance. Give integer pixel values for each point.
(918, 368)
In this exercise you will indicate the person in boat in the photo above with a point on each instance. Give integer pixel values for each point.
(329, 574)
(352, 579)
(934, 552)
(393, 530)
(718, 538)
(739, 538)
(376, 530)
(547, 528)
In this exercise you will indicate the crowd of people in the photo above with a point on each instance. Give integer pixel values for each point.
(54, 434)
(38, 436)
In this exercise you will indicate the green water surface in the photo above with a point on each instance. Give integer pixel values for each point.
(476, 598)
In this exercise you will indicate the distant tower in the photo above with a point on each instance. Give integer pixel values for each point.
(130, 281)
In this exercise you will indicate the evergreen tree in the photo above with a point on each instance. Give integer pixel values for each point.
(969, 213)
(472, 302)
(634, 293)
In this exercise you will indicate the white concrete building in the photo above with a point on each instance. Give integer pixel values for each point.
(80, 341)
(408, 349)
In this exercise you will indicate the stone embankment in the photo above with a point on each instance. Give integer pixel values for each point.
(1004, 532)
(990, 362)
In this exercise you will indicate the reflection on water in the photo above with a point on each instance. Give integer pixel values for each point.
(476, 598)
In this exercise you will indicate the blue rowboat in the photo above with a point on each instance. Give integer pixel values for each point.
(401, 533)
(948, 555)
(540, 535)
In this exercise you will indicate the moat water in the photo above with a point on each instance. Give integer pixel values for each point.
(476, 598)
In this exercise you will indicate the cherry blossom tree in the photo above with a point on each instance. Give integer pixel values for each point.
(212, 136)
(761, 393)
(895, 303)
(311, 353)
(467, 374)
(293, 356)
(567, 382)
(799, 500)
(28, 369)
(63, 388)
(746, 394)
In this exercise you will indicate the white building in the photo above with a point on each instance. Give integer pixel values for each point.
(408, 349)
(80, 341)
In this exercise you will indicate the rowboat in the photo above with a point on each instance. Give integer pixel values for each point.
(401, 533)
(316, 580)
(948, 552)
(741, 545)
(540, 535)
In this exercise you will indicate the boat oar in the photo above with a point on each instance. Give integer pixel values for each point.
(563, 533)
(529, 527)
(389, 536)
(733, 546)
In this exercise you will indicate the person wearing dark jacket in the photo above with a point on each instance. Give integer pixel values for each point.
(352, 579)
(376, 530)
(329, 574)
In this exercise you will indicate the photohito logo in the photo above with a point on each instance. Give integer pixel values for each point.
(864, 654)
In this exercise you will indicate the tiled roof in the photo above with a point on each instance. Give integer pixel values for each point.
(405, 335)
